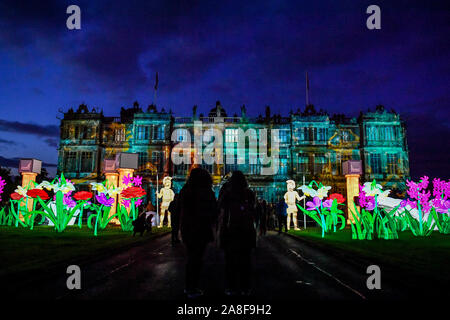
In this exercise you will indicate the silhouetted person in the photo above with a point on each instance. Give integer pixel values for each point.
(175, 212)
(237, 233)
(281, 214)
(198, 213)
(142, 223)
(263, 218)
(272, 217)
(258, 213)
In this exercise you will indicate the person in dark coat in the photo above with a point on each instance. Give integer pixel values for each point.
(281, 214)
(175, 213)
(237, 233)
(198, 215)
(263, 218)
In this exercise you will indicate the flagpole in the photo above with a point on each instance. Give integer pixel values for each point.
(307, 89)
(156, 88)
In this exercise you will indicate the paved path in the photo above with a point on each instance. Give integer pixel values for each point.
(284, 269)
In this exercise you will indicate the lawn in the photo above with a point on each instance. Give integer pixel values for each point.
(424, 256)
(24, 251)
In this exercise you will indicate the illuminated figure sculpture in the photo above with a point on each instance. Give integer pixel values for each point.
(290, 198)
(167, 197)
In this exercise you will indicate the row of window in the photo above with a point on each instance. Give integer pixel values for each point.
(311, 134)
(232, 135)
(143, 132)
(392, 163)
(254, 169)
(318, 163)
(306, 163)
(79, 161)
(79, 132)
(156, 162)
(382, 133)
(146, 132)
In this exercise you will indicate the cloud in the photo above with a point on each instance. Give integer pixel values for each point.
(51, 142)
(29, 128)
(4, 141)
(14, 163)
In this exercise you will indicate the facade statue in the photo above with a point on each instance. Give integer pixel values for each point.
(290, 197)
(243, 111)
(167, 195)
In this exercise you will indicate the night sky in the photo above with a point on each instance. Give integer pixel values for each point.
(239, 52)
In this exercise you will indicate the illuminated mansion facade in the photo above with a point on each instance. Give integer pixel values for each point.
(312, 146)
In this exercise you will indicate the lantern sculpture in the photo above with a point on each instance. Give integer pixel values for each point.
(290, 197)
(167, 195)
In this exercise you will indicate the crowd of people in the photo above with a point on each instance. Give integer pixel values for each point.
(233, 221)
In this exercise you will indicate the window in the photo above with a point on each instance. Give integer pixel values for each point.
(158, 132)
(322, 134)
(306, 134)
(70, 164)
(85, 132)
(255, 168)
(302, 163)
(312, 134)
(158, 160)
(392, 163)
(182, 135)
(372, 133)
(231, 135)
(299, 134)
(283, 136)
(231, 166)
(143, 160)
(381, 132)
(341, 158)
(345, 136)
(320, 162)
(389, 134)
(65, 132)
(142, 132)
(181, 169)
(375, 163)
(86, 161)
(119, 135)
(283, 168)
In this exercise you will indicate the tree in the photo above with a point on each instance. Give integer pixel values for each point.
(11, 183)
(43, 176)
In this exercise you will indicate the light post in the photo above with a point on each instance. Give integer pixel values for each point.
(125, 163)
(352, 169)
(112, 179)
(29, 169)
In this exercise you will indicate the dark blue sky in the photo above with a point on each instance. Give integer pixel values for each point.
(239, 52)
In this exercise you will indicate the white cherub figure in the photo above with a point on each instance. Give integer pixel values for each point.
(290, 198)
(167, 197)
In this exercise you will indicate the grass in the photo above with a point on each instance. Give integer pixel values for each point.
(24, 251)
(424, 256)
